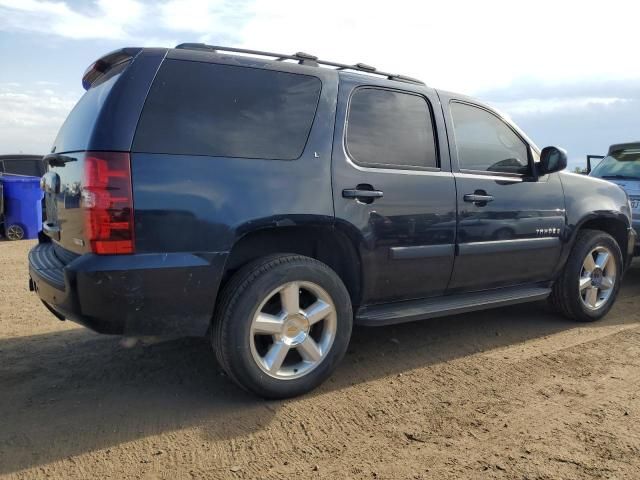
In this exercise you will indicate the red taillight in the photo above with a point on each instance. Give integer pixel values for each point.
(108, 202)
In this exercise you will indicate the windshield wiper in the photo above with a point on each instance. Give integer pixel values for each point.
(621, 177)
(57, 160)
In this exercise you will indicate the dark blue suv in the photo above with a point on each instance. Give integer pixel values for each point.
(269, 201)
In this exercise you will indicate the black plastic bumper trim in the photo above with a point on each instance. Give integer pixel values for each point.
(138, 295)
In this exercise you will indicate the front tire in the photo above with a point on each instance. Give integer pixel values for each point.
(282, 325)
(587, 288)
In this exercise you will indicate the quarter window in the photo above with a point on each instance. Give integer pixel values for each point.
(486, 143)
(197, 108)
(390, 129)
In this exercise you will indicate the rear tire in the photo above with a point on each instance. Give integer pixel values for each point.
(282, 325)
(587, 288)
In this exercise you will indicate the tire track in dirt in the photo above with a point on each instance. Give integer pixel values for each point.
(511, 393)
(347, 431)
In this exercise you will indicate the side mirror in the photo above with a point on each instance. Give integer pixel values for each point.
(552, 159)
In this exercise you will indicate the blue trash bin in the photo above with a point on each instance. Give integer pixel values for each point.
(22, 206)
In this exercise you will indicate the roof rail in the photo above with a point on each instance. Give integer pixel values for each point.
(303, 59)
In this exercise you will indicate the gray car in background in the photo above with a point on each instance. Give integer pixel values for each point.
(622, 167)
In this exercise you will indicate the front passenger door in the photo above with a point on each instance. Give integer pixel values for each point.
(509, 220)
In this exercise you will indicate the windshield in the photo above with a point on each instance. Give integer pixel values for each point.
(623, 164)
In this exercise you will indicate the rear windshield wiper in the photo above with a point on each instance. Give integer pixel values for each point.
(57, 160)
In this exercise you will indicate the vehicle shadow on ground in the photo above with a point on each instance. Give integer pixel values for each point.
(71, 392)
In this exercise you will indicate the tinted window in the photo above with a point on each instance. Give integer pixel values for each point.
(485, 142)
(33, 168)
(220, 110)
(393, 129)
(78, 127)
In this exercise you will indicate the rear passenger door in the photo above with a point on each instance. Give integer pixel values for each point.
(393, 187)
(509, 219)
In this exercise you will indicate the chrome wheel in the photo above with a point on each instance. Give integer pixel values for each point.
(292, 330)
(15, 232)
(597, 278)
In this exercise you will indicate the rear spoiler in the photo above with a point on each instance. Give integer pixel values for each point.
(623, 146)
(101, 66)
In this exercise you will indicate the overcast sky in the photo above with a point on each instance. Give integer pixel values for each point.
(567, 72)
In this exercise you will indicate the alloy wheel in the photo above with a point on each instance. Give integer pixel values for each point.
(293, 330)
(597, 278)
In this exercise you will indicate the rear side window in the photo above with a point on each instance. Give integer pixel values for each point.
(218, 110)
(390, 129)
(486, 143)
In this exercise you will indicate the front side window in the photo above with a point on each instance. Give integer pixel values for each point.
(390, 129)
(485, 143)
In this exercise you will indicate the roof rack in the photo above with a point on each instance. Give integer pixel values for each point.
(303, 59)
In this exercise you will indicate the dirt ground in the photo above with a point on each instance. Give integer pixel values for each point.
(515, 393)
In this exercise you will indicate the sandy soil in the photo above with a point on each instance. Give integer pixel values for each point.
(515, 393)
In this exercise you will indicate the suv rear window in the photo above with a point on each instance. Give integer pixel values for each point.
(390, 129)
(219, 110)
(79, 125)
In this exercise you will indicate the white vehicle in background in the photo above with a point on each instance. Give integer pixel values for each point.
(621, 166)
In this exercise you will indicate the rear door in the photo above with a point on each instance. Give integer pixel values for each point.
(509, 219)
(64, 180)
(100, 127)
(393, 187)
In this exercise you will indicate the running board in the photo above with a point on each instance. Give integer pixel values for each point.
(411, 310)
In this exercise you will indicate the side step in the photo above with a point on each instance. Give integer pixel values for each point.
(411, 310)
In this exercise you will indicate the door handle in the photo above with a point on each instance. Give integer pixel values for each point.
(354, 193)
(479, 197)
(364, 193)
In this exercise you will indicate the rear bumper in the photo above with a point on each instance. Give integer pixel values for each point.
(169, 294)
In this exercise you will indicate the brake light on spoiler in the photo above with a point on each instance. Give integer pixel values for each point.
(102, 66)
(108, 203)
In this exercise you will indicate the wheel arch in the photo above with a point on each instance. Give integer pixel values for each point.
(324, 242)
(613, 223)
